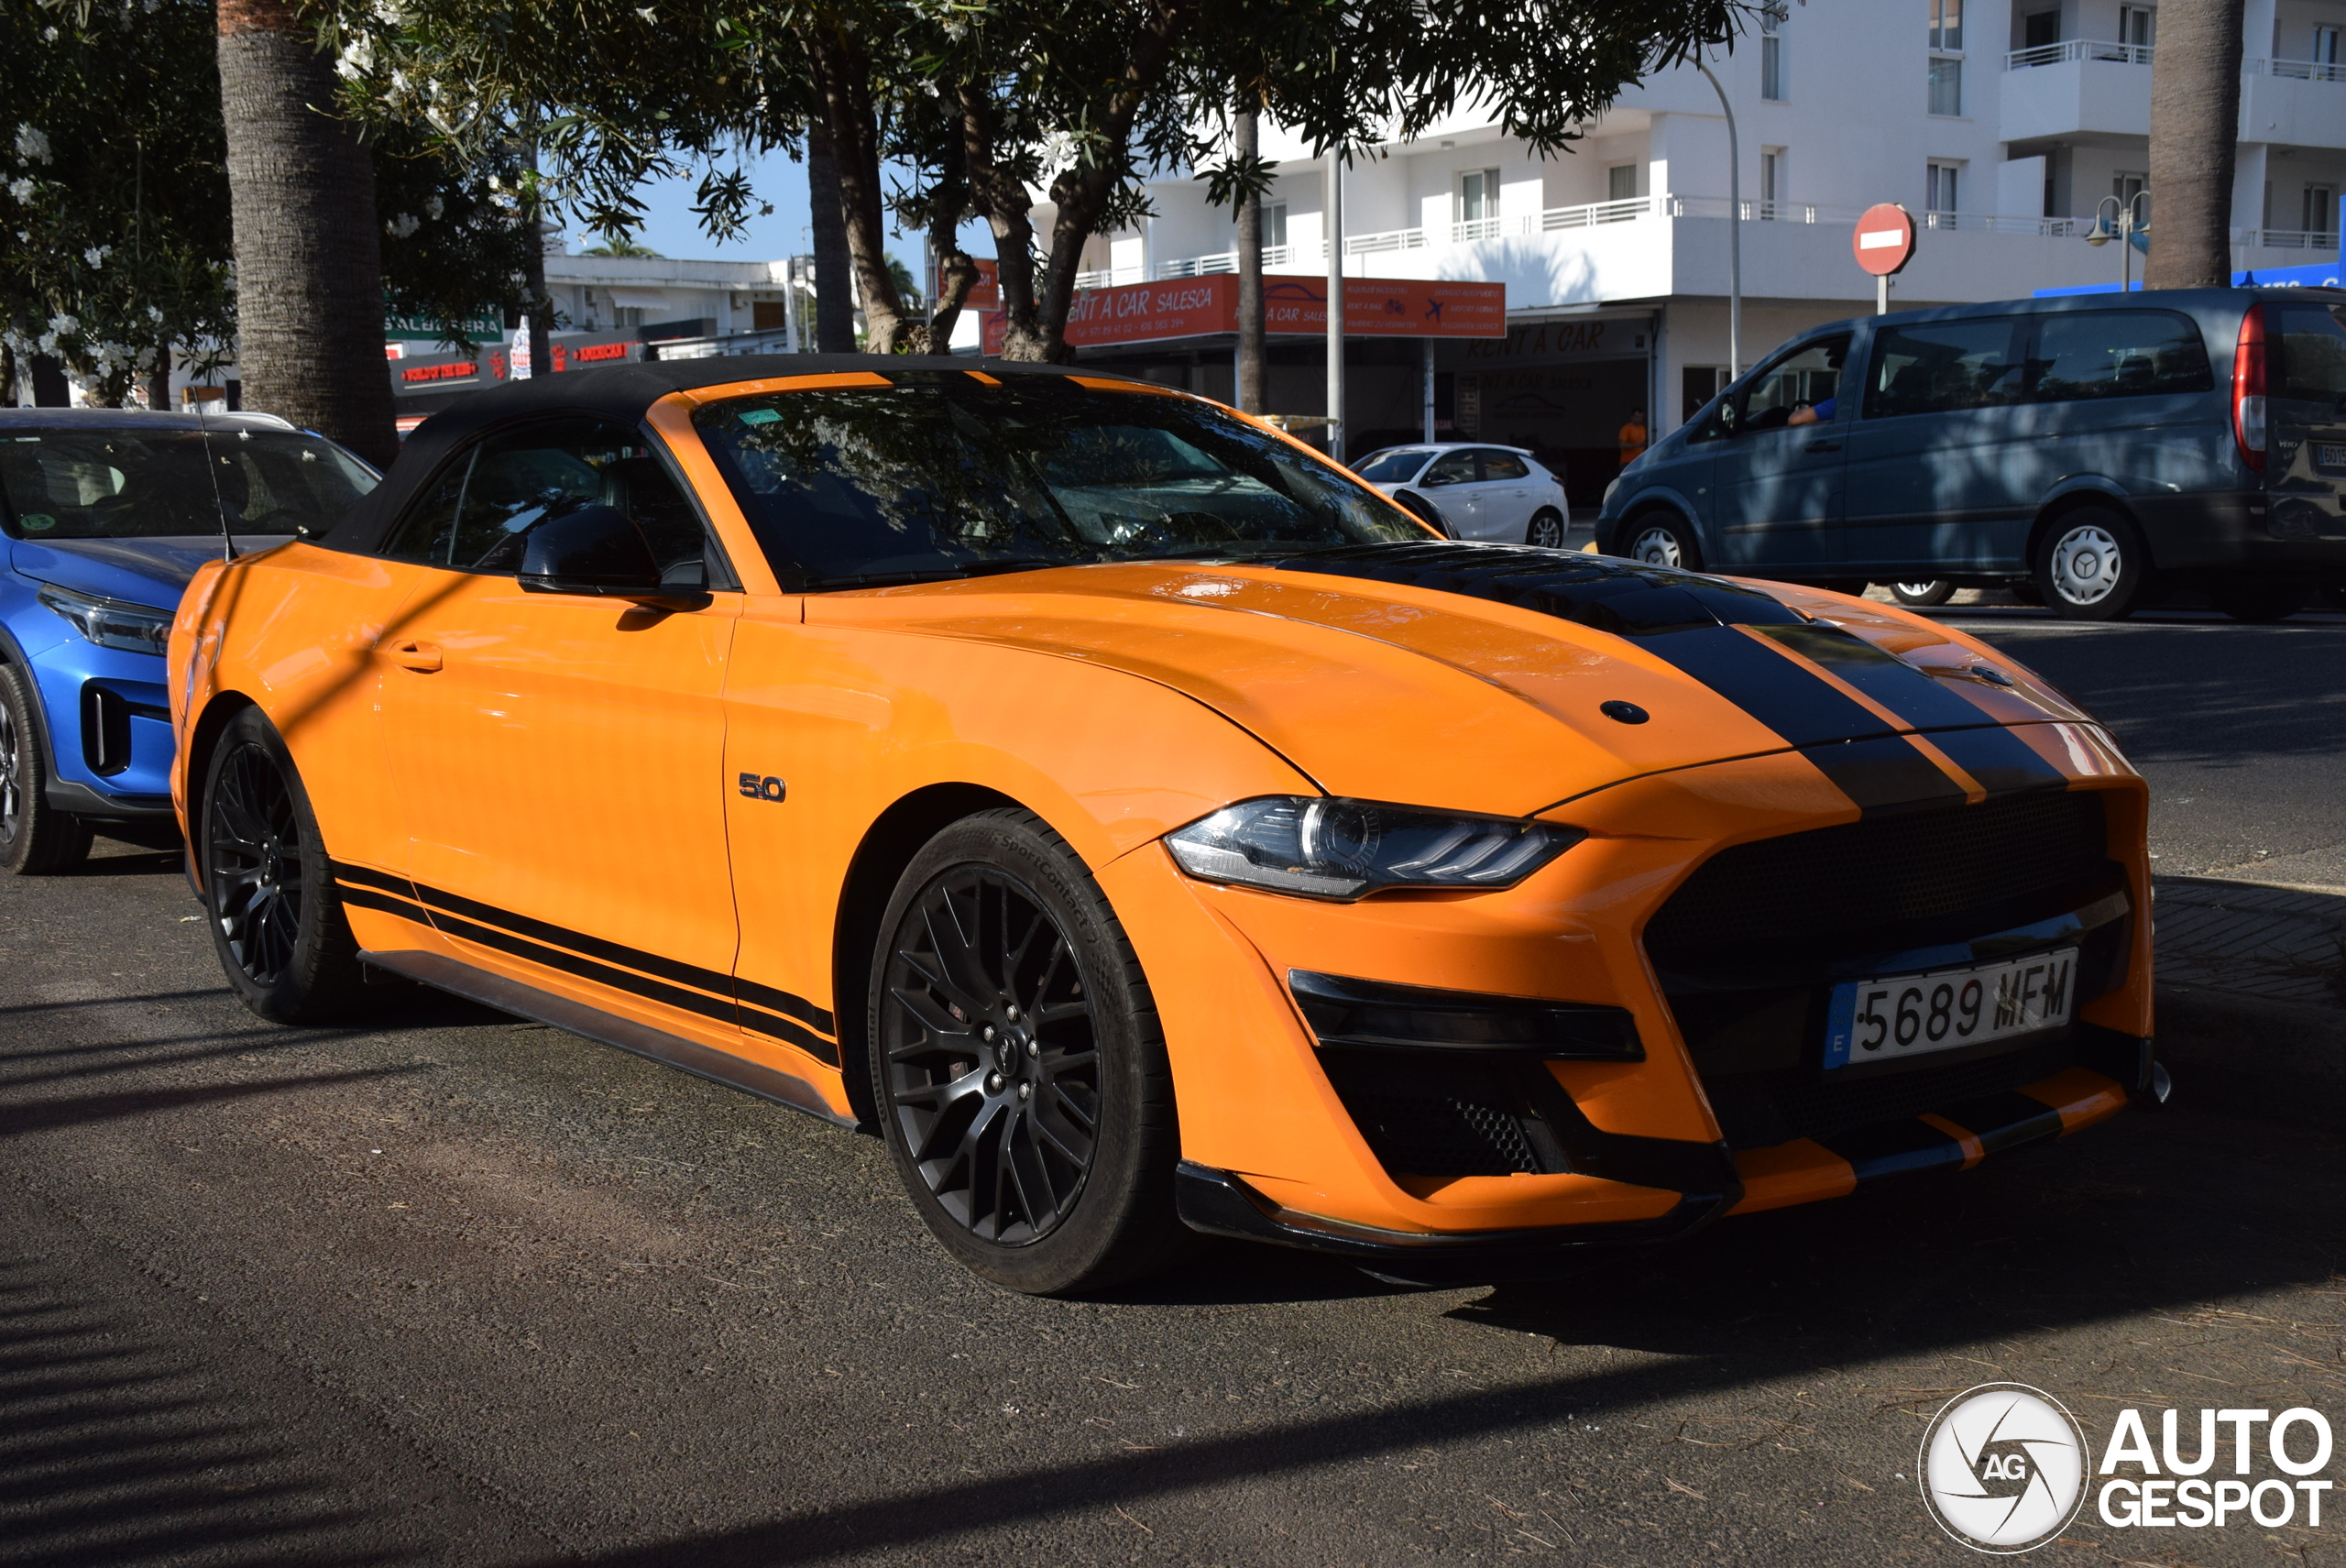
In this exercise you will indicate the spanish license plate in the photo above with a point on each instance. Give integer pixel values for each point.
(2328, 455)
(1903, 1015)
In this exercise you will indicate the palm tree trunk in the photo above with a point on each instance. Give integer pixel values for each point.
(309, 259)
(2195, 128)
(834, 308)
(1252, 392)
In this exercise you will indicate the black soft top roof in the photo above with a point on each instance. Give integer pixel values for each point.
(624, 393)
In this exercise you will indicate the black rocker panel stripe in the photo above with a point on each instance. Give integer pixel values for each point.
(367, 898)
(760, 1005)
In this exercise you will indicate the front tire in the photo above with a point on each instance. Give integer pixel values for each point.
(1547, 530)
(1931, 591)
(1659, 539)
(35, 838)
(277, 922)
(1018, 1069)
(2093, 565)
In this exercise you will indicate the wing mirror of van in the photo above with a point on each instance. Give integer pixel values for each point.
(598, 552)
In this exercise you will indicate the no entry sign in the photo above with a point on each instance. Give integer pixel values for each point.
(1885, 242)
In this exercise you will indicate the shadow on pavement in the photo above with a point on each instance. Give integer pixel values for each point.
(2155, 1211)
(118, 1450)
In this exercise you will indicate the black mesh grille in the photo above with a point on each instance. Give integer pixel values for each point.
(1760, 1111)
(1884, 882)
(1432, 1118)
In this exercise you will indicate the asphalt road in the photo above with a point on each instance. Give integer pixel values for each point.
(442, 1287)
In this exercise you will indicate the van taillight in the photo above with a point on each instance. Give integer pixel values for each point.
(2248, 388)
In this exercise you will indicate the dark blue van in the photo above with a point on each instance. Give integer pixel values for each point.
(2082, 450)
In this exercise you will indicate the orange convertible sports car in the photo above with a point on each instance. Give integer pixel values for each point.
(1148, 828)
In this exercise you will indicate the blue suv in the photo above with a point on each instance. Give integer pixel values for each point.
(2081, 451)
(106, 514)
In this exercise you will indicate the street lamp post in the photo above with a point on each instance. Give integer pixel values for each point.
(2122, 221)
(1734, 231)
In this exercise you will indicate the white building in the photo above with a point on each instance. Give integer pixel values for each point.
(2000, 126)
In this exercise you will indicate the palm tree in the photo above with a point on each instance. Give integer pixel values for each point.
(309, 255)
(2195, 127)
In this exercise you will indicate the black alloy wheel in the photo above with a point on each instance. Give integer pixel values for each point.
(1547, 530)
(1017, 1072)
(35, 838)
(275, 922)
(1929, 591)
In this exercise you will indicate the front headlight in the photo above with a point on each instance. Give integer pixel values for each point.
(110, 623)
(1322, 848)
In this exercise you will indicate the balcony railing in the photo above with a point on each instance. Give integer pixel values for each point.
(2078, 48)
(2292, 239)
(2298, 70)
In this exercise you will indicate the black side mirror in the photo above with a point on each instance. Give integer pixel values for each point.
(596, 551)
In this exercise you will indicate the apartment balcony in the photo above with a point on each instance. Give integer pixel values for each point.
(2080, 89)
(2293, 102)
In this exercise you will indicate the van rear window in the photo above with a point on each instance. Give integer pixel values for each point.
(2116, 354)
(2308, 348)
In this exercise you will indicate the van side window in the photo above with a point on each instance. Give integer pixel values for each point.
(479, 514)
(1802, 379)
(1929, 367)
(2116, 354)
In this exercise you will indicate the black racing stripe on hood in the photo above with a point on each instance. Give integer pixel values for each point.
(1689, 620)
(1999, 760)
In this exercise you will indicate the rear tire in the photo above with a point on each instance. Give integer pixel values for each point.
(1018, 1068)
(277, 922)
(2259, 603)
(35, 838)
(1661, 539)
(2093, 565)
(1547, 530)
(1930, 591)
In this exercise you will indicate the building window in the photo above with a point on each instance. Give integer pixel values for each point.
(1947, 85)
(1771, 56)
(2326, 54)
(1944, 193)
(2320, 211)
(1275, 226)
(2040, 29)
(2138, 29)
(1478, 204)
(1772, 180)
(1946, 24)
(1621, 182)
(2126, 187)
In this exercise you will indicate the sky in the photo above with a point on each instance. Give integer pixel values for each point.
(671, 228)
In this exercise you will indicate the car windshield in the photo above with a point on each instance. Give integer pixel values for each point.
(941, 474)
(1393, 466)
(116, 483)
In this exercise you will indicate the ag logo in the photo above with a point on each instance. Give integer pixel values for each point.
(2003, 1467)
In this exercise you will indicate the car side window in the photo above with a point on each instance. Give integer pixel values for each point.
(2116, 354)
(479, 514)
(1931, 367)
(1452, 468)
(1802, 379)
(1504, 466)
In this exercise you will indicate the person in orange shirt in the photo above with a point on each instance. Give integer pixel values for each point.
(1632, 437)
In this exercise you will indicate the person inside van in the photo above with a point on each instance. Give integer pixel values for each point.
(1815, 414)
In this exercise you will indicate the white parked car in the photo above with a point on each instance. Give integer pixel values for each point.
(1495, 495)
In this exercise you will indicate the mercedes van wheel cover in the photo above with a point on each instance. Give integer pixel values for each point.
(1656, 547)
(2087, 564)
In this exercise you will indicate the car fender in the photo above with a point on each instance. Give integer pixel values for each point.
(2068, 490)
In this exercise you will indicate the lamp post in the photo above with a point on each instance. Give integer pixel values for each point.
(1734, 231)
(2123, 222)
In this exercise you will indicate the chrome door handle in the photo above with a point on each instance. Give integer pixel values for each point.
(1824, 446)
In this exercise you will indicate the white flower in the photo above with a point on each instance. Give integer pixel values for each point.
(154, 314)
(97, 255)
(434, 207)
(357, 60)
(61, 323)
(646, 13)
(47, 342)
(403, 226)
(47, 36)
(32, 144)
(21, 191)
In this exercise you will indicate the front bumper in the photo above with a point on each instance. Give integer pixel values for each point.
(1283, 1142)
